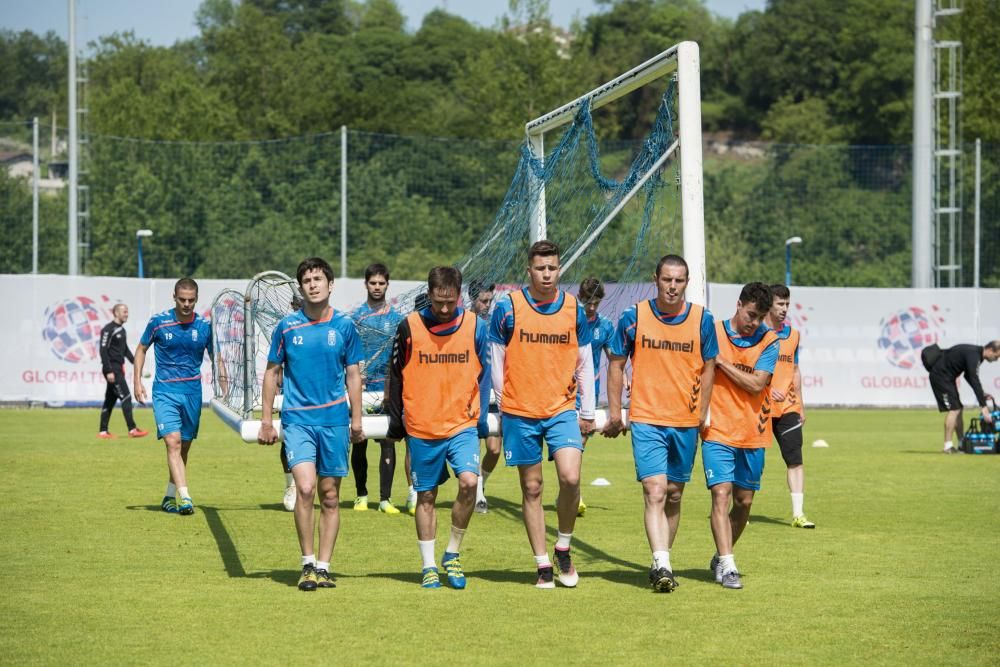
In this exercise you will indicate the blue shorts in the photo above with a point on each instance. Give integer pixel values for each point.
(522, 436)
(739, 465)
(326, 446)
(428, 457)
(177, 413)
(664, 450)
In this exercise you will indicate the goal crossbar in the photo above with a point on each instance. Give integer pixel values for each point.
(654, 68)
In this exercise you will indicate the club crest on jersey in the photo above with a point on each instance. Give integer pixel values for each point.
(331, 337)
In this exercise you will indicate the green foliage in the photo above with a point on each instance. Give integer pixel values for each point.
(813, 72)
(16, 223)
(860, 589)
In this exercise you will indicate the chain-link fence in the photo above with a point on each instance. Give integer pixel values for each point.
(232, 209)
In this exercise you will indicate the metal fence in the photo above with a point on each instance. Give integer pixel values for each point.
(222, 210)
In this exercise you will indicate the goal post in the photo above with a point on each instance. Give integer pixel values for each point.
(684, 59)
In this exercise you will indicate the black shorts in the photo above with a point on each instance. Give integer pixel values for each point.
(788, 432)
(945, 393)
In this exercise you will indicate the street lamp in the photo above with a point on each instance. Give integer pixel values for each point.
(139, 236)
(795, 240)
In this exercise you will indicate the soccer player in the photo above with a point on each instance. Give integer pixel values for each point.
(540, 347)
(288, 498)
(114, 352)
(182, 338)
(673, 345)
(739, 425)
(318, 350)
(954, 362)
(379, 321)
(601, 330)
(481, 298)
(437, 365)
(787, 412)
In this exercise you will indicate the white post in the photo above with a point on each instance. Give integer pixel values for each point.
(923, 145)
(34, 195)
(975, 228)
(74, 240)
(343, 201)
(537, 229)
(692, 199)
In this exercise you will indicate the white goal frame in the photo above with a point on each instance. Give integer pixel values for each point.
(683, 58)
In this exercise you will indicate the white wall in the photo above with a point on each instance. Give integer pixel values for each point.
(859, 346)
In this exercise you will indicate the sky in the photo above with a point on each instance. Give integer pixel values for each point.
(162, 22)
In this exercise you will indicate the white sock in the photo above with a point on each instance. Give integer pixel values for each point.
(661, 559)
(309, 560)
(455, 543)
(426, 552)
(797, 500)
(411, 494)
(289, 479)
(320, 565)
(182, 492)
(171, 490)
(947, 444)
(563, 539)
(543, 561)
(480, 488)
(727, 563)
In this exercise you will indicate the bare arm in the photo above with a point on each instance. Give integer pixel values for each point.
(616, 380)
(268, 435)
(140, 361)
(707, 383)
(354, 396)
(751, 382)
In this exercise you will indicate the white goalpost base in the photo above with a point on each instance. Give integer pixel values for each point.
(374, 426)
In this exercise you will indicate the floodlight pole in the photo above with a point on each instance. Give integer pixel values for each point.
(923, 146)
(795, 240)
(34, 195)
(141, 234)
(74, 236)
(343, 201)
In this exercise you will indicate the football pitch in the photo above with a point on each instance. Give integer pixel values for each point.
(901, 568)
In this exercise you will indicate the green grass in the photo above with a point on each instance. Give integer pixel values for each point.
(900, 570)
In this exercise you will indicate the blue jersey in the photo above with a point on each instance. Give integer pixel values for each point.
(315, 354)
(623, 342)
(602, 330)
(502, 322)
(180, 348)
(376, 329)
(768, 358)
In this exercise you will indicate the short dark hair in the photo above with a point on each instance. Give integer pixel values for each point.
(673, 260)
(311, 264)
(376, 269)
(444, 277)
(186, 283)
(758, 294)
(591, 288)
(114, 311)
(477, 287)
(781, 291)
(543, 248)
(993, 345)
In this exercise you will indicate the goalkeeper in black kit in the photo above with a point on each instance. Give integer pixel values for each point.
(114, 352)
